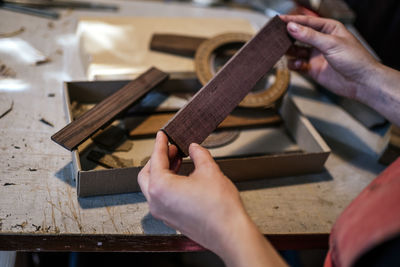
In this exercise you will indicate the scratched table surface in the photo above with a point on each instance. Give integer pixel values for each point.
(39, 208)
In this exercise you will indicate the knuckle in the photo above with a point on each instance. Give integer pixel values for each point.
(140, 177)
(338, 24)
(155, 211)
(157, 188)
(308, 33)
(154, 190)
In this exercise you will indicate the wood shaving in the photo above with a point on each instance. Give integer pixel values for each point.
(12, 34)
(7, 72)
(46, 122)
(6, 105)
(42, 61)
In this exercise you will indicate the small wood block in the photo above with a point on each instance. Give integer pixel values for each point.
(141, 126)
(176, 44)
(109, 161)
(212, 104)
(81, 129)
(112, 139)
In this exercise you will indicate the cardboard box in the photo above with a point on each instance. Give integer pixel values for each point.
(307, 154)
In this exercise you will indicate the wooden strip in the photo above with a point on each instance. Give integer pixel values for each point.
(140, 126)
(176, 44)
(212, 104)
(81, 129)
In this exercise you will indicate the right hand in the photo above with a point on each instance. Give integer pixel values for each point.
(337, 60)
(204, 205)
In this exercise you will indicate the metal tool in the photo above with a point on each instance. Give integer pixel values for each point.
(38, 7)
(29, 10)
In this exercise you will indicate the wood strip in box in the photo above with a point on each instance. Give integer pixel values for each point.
(140, 126)
(212, 104)
(100, 115)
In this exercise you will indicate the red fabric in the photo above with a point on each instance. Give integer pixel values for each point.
(372, 218)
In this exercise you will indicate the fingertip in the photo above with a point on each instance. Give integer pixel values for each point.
(194, 145)
(160, 135)
(298, 65)
(283, 17)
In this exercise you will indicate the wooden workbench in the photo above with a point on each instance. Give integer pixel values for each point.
(39, 209)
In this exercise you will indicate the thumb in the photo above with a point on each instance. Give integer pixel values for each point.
(323, 42)
(201, 157)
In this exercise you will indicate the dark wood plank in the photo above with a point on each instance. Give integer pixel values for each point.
(140, 243)
(176, 44)
(81, 129)
(212, 104)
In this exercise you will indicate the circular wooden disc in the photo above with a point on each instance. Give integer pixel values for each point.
(204, 61)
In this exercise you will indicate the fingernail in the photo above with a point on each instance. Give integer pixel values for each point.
(297, 64)
(293, 27)
(194, 145)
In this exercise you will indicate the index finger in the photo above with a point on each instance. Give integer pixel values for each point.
(316, 23)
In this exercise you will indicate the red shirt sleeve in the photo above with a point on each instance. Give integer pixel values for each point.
(371, 219)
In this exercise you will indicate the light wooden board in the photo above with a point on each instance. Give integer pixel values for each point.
(121, 46)
(305, 205)
(149, 125)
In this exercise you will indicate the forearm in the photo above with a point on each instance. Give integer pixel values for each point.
(381, 91)
(246, 246)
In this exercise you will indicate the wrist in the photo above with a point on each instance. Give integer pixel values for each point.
(380, 93)
(244, 245)
(369, 83)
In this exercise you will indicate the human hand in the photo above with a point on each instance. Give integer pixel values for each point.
(200, 205)
(205, 206)
(337, 60)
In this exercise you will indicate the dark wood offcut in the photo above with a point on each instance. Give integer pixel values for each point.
(82, 128)
(176, 44)
(213, 103)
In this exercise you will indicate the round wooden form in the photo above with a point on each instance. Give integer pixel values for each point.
(204, 61)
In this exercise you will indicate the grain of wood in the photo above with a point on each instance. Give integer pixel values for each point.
(81, 129)
(212, 104)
